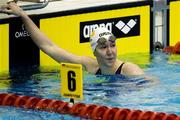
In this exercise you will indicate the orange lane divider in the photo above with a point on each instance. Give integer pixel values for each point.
(173, 49)
(87, 111)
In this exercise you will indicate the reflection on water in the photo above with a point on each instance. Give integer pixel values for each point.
(111, 90)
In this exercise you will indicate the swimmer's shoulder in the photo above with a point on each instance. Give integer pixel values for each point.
(131, 69)
(90, 64)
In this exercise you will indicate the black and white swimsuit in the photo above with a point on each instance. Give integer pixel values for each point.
(118, 71)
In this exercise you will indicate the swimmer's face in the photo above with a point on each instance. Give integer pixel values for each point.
(106, 51)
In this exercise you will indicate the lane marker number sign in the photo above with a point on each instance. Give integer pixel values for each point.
(71, 80)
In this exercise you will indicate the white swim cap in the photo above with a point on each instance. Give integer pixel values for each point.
(97, 33)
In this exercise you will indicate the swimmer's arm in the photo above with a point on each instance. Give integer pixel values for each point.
(41, 40)
(48, 47)
(44, 43)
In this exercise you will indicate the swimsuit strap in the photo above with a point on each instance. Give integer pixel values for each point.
(118, 71)
(98, 72)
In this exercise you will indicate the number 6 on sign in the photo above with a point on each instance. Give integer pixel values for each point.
(71, 80)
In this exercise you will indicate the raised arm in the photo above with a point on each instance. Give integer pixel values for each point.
(44, 43)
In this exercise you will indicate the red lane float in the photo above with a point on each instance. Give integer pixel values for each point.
(121, 114)
(146, 115)
(87, 111)
(173, 49)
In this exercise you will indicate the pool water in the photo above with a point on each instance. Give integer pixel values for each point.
(160, 95)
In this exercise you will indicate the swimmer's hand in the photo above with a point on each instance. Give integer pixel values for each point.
(12, 8)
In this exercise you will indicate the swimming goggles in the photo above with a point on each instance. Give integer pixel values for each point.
(102, 40)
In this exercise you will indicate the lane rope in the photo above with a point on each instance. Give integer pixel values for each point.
(173, 49)
(87, 111)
